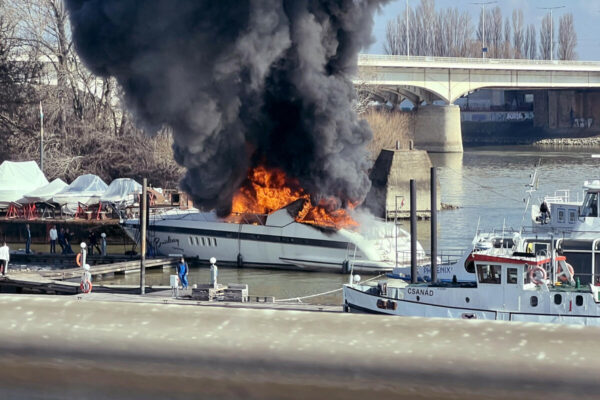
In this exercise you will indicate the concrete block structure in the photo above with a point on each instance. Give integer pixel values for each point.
(390, 178)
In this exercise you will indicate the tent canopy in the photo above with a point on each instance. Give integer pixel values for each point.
(121, 190)
(18, 178)
(86, 189)
(44, 193)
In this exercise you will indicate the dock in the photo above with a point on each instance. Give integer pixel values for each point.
(66, 280)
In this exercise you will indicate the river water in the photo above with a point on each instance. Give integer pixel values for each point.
(488, 185)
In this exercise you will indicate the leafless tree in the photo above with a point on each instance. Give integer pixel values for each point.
(507, 47)
(86, 128)
(518, 36)
(530, 45)
(546, 36)
(567, 38)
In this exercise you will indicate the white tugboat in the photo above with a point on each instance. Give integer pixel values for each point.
(516, 287)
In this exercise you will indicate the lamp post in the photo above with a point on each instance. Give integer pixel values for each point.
(407, 33)
(551, 28)
(41, 138)
(483, 48)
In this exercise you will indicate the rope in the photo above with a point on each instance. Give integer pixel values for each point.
(484, 187)
(299, 299)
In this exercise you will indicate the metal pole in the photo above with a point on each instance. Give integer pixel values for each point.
(41, 138)
(396, 231)
(407, 35)
(413, 232)
(551, 28)
(433, 191)
(143, 238)
(483, 22)
(483, 19)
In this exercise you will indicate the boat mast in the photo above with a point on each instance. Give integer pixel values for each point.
(532, 187)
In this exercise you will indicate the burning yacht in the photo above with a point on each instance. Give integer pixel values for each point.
(275, 240)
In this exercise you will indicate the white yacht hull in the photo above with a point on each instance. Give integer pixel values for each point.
(291, 246)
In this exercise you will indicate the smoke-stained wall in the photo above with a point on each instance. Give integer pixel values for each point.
(241, 83)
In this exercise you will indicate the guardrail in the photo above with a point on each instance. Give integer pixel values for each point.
(58, 347)
(466, 60)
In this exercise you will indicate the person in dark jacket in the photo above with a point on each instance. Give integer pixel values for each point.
(544, 212)
(61, 241)
(27, 239)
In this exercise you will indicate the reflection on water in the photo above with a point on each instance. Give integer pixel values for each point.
(488, 184)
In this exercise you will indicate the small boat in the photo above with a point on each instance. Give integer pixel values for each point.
(275, 241)
(516, 287)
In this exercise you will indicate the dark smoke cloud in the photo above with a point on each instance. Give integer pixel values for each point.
(240, 83)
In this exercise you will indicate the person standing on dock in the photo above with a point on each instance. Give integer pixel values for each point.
(28, 239)
(103, 244)
(182, 271)
(68, 237)
(61, 241)
(93, 241)
(4, 258)
(53, 237)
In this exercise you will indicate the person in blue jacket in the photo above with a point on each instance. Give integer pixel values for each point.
(182, 271)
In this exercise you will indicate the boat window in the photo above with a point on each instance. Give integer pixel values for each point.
(590, 205)
(561, 215)
(215, 242)
(511, 275)
(572, 216)
(203, 242)
(557, 299)
(208, 241)
(191, 240)
(579, 300)
(489, 273)
(533, 301)
(197, 241)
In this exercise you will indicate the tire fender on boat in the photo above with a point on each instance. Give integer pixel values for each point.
(345, 267)
(533, 275)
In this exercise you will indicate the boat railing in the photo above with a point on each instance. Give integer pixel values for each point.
(563, 196)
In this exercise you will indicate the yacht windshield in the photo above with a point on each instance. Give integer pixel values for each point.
(590, 205)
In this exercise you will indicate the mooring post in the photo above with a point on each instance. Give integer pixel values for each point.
(433, 191)
(143, 237)
(413, 232)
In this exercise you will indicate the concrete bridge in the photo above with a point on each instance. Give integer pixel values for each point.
(443, 79)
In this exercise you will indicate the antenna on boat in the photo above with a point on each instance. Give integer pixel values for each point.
(476, 233)
(531, 187)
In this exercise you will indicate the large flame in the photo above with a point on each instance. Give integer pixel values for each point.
(268, 190)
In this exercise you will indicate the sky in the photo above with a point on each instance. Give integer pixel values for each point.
(586, 15)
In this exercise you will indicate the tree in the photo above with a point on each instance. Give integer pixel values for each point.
(507, 48)
(530, 45)
(518, 36)
(546, 38)
(567, 38)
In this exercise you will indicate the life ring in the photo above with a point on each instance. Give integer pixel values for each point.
(561, 275)
(537, 275)
(78, 259)
(85, 286)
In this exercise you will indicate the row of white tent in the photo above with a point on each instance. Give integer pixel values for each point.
(25, 183)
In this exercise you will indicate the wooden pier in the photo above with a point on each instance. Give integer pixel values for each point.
(57, 281)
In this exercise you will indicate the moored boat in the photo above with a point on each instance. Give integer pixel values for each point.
(512, 287)
(275, 240)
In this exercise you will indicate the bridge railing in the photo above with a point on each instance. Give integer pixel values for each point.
(367, 58)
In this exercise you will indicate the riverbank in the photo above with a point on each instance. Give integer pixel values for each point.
(585, 142)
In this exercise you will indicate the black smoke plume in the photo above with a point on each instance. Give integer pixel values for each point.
(240, 82)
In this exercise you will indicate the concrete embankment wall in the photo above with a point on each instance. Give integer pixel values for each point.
(61, 347)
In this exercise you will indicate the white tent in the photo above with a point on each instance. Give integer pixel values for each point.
(122, 192)
(86, 189)
(44, 193)
(18, 178)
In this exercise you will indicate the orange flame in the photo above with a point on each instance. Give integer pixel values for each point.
(268, 190)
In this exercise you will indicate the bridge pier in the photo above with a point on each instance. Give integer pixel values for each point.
(437, 129)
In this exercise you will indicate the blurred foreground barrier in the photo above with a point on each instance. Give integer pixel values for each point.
(59, 347)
